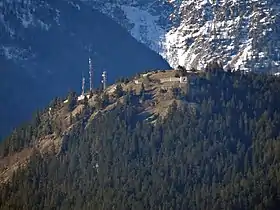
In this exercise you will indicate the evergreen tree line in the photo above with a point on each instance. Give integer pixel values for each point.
(221, 151)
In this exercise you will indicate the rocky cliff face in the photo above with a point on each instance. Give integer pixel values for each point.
(241, 34)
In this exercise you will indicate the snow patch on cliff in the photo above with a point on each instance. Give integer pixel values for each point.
(145, 28)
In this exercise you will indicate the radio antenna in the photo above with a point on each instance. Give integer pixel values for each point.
(104, 79)
(90, 74)
(83, 85)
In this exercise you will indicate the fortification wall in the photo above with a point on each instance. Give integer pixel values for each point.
(170, 79)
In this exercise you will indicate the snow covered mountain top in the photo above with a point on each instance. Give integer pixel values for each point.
(243, 34)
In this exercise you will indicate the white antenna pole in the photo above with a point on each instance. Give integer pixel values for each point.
(104, 78)
(90, 74)
(83, 86)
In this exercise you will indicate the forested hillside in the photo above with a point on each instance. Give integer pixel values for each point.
(222, 152)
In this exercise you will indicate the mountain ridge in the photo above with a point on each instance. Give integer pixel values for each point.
(242, 34)
(155, 91)
(221, 146)
(39, 63)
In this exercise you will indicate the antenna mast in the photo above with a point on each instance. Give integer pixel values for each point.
(83, 86)
(104, 78)
(90, 74)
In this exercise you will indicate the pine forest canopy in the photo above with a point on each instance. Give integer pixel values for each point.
(219, 150)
